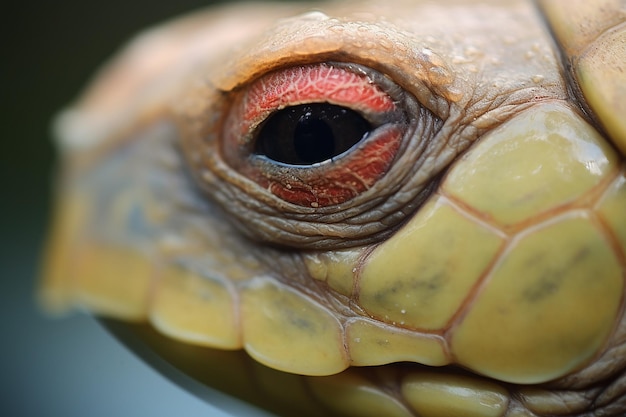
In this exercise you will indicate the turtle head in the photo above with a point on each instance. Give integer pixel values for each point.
(361, 186)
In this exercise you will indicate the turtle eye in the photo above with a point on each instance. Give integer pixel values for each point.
(315, 135)
(321, 155)
(310, 133)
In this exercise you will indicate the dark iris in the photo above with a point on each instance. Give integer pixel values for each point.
(310, 133)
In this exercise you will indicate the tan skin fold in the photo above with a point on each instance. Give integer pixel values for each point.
(466, 257)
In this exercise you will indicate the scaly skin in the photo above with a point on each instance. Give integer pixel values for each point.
(468, 257)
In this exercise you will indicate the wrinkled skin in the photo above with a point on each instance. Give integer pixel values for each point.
(470, 251)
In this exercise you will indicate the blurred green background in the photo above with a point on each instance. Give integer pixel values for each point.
(68, 367)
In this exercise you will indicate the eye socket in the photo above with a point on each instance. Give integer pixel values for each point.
(310, 133)
(316, 135)
(383, 162)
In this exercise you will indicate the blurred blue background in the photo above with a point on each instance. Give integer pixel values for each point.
(69, 367)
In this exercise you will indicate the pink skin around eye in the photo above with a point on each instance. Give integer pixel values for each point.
(310, 84)
(347, 177)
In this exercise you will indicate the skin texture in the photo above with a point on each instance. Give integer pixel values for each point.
(489, 256)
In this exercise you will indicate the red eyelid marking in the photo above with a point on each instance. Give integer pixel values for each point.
(344, 178)
(311, 84)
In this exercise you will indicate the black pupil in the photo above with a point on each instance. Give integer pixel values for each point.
(310, 133)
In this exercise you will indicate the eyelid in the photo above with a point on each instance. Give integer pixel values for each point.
(350, 86)
(377, 45)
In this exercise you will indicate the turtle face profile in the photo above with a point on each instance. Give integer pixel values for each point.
(420, 205)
